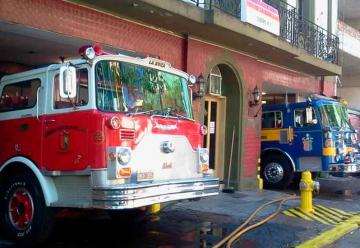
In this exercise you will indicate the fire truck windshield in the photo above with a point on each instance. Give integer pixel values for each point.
(334, 115)
(131, 88)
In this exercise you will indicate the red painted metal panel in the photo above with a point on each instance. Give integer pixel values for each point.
(21, 137)
(76, 140)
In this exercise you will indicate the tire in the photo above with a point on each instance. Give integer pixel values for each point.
(24, 216)
(276, 171)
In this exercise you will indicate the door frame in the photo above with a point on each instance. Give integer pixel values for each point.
(219, 134)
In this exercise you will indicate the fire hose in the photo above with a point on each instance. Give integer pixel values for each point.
(234, 236)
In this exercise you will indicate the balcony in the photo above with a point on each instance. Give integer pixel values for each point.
(299, 45)
(298, 32)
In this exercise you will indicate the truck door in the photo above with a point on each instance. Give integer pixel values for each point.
(66, 125)
(19, 124)
(307, 139)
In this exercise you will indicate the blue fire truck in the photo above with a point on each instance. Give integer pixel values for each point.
(314, 135)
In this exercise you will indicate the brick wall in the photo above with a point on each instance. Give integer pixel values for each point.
(77, 21)
(200, 55)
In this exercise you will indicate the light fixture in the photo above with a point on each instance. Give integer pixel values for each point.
(89, 52)
(256, 97)
(199, 87)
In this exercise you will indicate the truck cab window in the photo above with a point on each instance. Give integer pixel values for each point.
(82, 95)
(272, 120)
(21, 95)
(304, 117)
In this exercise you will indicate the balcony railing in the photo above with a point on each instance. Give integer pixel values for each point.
(297, 31)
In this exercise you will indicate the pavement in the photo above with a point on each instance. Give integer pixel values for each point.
(227, 211)
(205, 222)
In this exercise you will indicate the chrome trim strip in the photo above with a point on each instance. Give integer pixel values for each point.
(56, 173)
(354, 168)
(137, 195)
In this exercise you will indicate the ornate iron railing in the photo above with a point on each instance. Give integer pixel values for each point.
(305, 34)
(296, 30)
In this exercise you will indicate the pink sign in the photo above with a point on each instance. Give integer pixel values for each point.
(260, 14)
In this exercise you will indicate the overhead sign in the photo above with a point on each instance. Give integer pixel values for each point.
(260, 14)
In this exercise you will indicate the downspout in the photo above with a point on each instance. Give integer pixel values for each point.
(322, 85)
(185, 52)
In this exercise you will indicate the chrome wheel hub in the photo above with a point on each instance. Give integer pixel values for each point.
(273, 172)
(21, 209)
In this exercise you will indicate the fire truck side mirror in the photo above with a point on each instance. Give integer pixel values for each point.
(67, 79)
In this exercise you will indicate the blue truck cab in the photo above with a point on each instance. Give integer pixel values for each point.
(315, 135)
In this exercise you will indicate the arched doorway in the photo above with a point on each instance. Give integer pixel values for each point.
(222, 111)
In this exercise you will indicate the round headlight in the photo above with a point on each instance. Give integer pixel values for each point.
(204, 156)
(124, 156)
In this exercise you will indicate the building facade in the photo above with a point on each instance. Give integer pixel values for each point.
(237, 46)
(349, 35)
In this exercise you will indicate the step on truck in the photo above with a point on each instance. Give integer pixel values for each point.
(105, 131)
(315, 135)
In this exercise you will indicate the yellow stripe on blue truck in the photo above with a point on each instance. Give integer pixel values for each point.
(329, 151)
(273, 134)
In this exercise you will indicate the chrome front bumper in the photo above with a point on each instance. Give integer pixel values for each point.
(346, 168)
(128, 196)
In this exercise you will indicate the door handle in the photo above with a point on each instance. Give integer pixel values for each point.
(49, 121)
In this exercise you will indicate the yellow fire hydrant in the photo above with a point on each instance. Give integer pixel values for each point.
(307, 186)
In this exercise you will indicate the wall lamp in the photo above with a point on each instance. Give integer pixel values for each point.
(256, 97)
(199, 87)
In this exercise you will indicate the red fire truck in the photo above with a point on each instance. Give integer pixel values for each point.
(106, 131)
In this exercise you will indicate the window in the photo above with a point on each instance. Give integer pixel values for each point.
(304, 117)
(82, 92)
(20, 95)
(330, 17)
(306, 9)
(215, 81)
(126, 87)
(272, 119)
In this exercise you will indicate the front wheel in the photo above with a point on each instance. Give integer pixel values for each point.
(23, 214)
(276, 172)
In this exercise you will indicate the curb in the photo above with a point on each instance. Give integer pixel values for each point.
(333, 234)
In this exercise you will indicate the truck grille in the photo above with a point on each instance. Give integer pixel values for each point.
(127, 134)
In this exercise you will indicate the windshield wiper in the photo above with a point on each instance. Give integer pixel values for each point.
(148, 112)
(171, 113)
(183, 117)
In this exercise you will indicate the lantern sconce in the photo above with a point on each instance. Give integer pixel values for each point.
(256, 97)
(199, 87)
